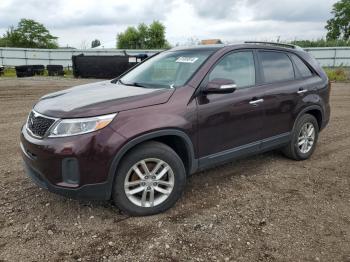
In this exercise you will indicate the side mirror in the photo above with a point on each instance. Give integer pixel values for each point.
(220, 86)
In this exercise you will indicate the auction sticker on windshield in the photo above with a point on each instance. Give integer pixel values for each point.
(183, 59)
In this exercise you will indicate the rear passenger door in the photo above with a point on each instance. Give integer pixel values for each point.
(284, 90)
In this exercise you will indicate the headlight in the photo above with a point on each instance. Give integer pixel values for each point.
(71, 127)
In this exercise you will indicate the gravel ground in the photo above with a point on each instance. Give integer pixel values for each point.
(263, 208)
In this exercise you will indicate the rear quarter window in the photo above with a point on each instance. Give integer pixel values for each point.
(301, 66)
(276, 66)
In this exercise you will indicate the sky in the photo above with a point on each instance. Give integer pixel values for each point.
(78, 22)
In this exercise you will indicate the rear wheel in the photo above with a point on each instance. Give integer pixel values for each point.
(149, 180)
(304, 138)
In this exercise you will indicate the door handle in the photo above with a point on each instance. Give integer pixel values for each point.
(257, 101)
(302, 91)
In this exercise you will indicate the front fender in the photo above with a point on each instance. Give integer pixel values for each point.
(146, 137)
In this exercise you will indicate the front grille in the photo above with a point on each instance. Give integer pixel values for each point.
(39, 124)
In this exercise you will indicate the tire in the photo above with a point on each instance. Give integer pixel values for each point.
(152, 153)
(295, 151)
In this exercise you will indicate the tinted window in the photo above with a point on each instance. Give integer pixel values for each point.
(302, 68)
(238, 67)
(276, 66)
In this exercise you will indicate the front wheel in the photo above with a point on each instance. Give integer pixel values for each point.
(304, 138)
(149, 180)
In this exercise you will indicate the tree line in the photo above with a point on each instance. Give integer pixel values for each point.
(143, 37)
(31, 34)
(338, 28)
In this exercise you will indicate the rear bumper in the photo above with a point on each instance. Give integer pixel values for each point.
(326, 116)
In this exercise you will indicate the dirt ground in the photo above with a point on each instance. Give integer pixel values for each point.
(263, 208)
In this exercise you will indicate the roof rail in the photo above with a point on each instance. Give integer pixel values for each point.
(274, 44)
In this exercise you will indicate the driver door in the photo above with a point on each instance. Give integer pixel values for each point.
(230, 124)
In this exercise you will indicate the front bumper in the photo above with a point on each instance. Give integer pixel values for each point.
(87, 192)
(76, 167)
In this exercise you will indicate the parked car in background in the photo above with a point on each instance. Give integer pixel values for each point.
(136, 139)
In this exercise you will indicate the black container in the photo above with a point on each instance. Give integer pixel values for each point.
(38, 69)
(24, 71)
(29, 70)
(106, 67)
(55, 70)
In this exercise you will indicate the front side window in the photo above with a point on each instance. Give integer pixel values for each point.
(238, 67)
(276, 66)
(167, 69)
(302, 68)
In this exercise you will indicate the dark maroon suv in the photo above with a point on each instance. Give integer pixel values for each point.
(136, 138)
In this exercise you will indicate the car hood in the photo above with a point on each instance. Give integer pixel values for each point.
(99, 99)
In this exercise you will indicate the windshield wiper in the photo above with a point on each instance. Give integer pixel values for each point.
(120, 81)
(129, 84)
(132, 84)
(138, 84)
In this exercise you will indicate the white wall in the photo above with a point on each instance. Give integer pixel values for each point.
(331, 56)
(28, 56)
(327, 56)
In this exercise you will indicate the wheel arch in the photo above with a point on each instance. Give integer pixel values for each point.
(183, 144)
(314, 110)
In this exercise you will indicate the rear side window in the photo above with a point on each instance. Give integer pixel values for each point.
(300, 65)
(276, 66)
(238, 66)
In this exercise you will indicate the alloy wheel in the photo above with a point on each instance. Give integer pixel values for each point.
(306, 137)
(149, 182)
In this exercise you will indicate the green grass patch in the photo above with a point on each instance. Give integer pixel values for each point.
(9, 72)
(338, 74)
(68, 72)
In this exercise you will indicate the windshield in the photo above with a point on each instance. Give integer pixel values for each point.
(166, 70)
